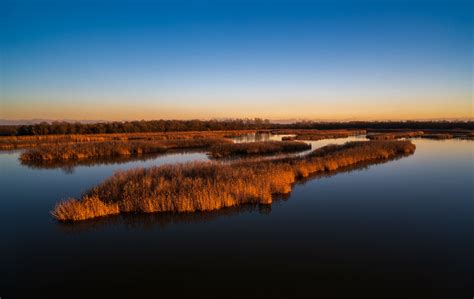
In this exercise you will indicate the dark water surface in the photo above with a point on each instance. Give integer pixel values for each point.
(403, 228)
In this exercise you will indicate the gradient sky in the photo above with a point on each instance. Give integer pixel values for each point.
(117, 60)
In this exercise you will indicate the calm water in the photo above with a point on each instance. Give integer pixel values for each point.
(401, 228)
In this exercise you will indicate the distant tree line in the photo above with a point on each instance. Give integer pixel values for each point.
(383, 125)
(45, 128)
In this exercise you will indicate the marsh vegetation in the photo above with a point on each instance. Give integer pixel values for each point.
(16, 142)
(395, 135)
(429, 133)
(438, 136)
(206, 186)
(226, 150)
(449, 134)
(318, 134)
(91, 150)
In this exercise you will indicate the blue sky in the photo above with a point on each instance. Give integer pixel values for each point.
(120, 60)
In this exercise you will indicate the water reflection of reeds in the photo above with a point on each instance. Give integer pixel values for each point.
(159, 220)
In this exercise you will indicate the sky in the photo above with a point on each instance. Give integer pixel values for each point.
(314, 60)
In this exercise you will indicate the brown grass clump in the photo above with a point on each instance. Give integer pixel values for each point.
(90, 150)
(395, 135)
(206, 186)
(86, 208)
(224, 150)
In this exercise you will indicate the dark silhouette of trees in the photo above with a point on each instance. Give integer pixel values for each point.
(214, 125)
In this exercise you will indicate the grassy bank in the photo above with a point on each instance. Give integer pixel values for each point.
(428, 133)
(395, 135)
(225, 150)
(206, 186)
(438, 136)
(90, 150)
(449, 134)
(318, 134)
(15, 142)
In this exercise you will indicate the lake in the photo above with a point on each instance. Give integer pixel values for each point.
(400, 228)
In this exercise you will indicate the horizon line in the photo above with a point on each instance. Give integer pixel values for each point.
(33, 121)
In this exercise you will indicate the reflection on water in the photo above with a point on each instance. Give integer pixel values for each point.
(161, 220)
(253, 137)
(68, 166)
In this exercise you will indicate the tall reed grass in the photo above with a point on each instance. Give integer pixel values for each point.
(395, 135)
(224, 150)
(14, 142)
(206, 186)
(439, 136)
(79, 151)
(318, 134)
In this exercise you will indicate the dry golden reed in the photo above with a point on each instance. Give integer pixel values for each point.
(395, 135)
(79, 151)
(14, 142)
(439, 136)
(318, 134)
(224, 150)
(206, 186)
(86, 208)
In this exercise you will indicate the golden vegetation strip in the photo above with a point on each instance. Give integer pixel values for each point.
(206, 186)
(439, 136)
(429, 134)
(349, 132)
(79, 151)
(225, 150)
(318, 134)
(395, 135)
(14, 142)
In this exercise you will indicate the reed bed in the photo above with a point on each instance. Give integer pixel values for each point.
(316, 131)
(90, 150)
(206, 186)
(15, 142)
(448, 134)
(318, 134)
(395, 135)
(428, 133)
(225, 150)
(438, 136)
